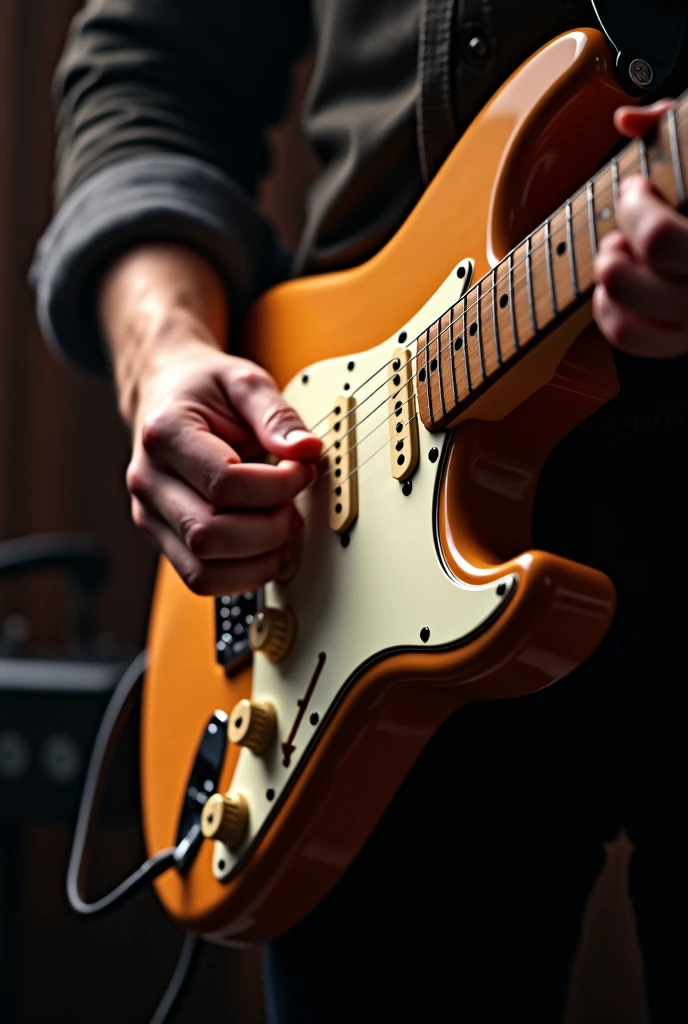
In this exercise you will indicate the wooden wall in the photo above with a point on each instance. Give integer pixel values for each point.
(62, 458)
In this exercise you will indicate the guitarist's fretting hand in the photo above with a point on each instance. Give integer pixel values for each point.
(195, 413)
(641, 300)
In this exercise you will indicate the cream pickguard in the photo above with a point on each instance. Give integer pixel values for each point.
(377, 592)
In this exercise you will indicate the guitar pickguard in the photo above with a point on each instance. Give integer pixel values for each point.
(376, 589)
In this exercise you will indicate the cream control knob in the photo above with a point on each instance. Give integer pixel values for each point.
(272, 632)
(225, 818)
(252, 724)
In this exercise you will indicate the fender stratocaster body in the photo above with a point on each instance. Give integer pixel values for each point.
(440, 374)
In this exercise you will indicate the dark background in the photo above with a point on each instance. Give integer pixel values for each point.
(63, 452)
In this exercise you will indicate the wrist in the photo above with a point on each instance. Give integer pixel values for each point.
(158, 304)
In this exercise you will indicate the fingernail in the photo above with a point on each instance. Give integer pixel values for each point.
(294, 436)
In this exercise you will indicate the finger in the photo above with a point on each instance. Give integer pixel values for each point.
(630, 333)
(634, 121)
(656, 234)
(635, 287)
(278, 426)
(232, 576)
(209, 534)
(214, 469)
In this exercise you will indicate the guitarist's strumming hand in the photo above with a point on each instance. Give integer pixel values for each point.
(196, 414)
(641, 300)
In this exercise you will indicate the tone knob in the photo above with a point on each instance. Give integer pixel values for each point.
(252, 724)
(272, 632)
(225, 818)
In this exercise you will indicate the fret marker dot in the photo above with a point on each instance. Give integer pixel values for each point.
(504, 301)
(605, 213)
(457, 344)
(433, 365)
(561, 248)
(402, 337)
(421, 374)
(472, 329)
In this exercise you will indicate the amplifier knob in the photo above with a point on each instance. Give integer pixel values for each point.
(225, 818)
(252, 724)
(272, 632)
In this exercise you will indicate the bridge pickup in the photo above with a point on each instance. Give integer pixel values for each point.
(402, 419)
(340, 444)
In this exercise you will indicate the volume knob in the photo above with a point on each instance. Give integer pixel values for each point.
(252, 724)
(272, 632)
(225, 818)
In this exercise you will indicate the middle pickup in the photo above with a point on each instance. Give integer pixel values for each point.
(402, 418)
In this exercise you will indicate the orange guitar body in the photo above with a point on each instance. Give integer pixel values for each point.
(524, 154)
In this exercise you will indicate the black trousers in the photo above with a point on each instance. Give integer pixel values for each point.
(475, 915)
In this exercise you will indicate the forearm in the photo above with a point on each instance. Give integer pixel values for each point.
(156, 300)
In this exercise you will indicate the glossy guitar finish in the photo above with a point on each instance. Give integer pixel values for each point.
(452, 555)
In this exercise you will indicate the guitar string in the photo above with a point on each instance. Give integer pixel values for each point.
(496, 282)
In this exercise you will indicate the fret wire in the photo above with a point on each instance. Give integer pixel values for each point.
(676, 158)
(550, 272)
(529, 284)
(427, 372)
(479, 332)
(644, 165)
(512, 310)
(615, 184)
(495, 317)
(452, 354)
(591, 218)
(572, 253)
(443, 407)
(464, 345)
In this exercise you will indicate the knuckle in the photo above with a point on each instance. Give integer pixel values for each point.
(196, 536)
(280, 416)
(196, 578)
(655, 240)
(217, 486)
(249, 378)
(136, 480)
(157, 431)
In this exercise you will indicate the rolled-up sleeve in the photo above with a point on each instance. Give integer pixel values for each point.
(162, 106)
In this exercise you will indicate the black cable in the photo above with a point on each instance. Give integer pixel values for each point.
(114, 719)
(179, 980)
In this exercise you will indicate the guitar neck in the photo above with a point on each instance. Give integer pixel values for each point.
(541, 281)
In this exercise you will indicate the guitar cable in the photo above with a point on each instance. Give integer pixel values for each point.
(180, 857)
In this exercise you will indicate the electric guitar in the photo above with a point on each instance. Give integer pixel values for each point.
(440, 374)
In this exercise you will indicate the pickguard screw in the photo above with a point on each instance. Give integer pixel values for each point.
(501, 589)
(315, 718)
(406, 488)
(425, 634)
(434, 454)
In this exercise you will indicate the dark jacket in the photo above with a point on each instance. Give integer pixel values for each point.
(163, 106)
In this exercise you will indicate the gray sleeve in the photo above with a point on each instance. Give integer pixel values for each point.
(162, 107)
(163, 196)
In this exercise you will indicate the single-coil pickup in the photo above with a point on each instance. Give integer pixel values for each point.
(402, 419)
(340, 444)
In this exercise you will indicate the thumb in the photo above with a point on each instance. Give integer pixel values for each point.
(634, 121)
(278, 427)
